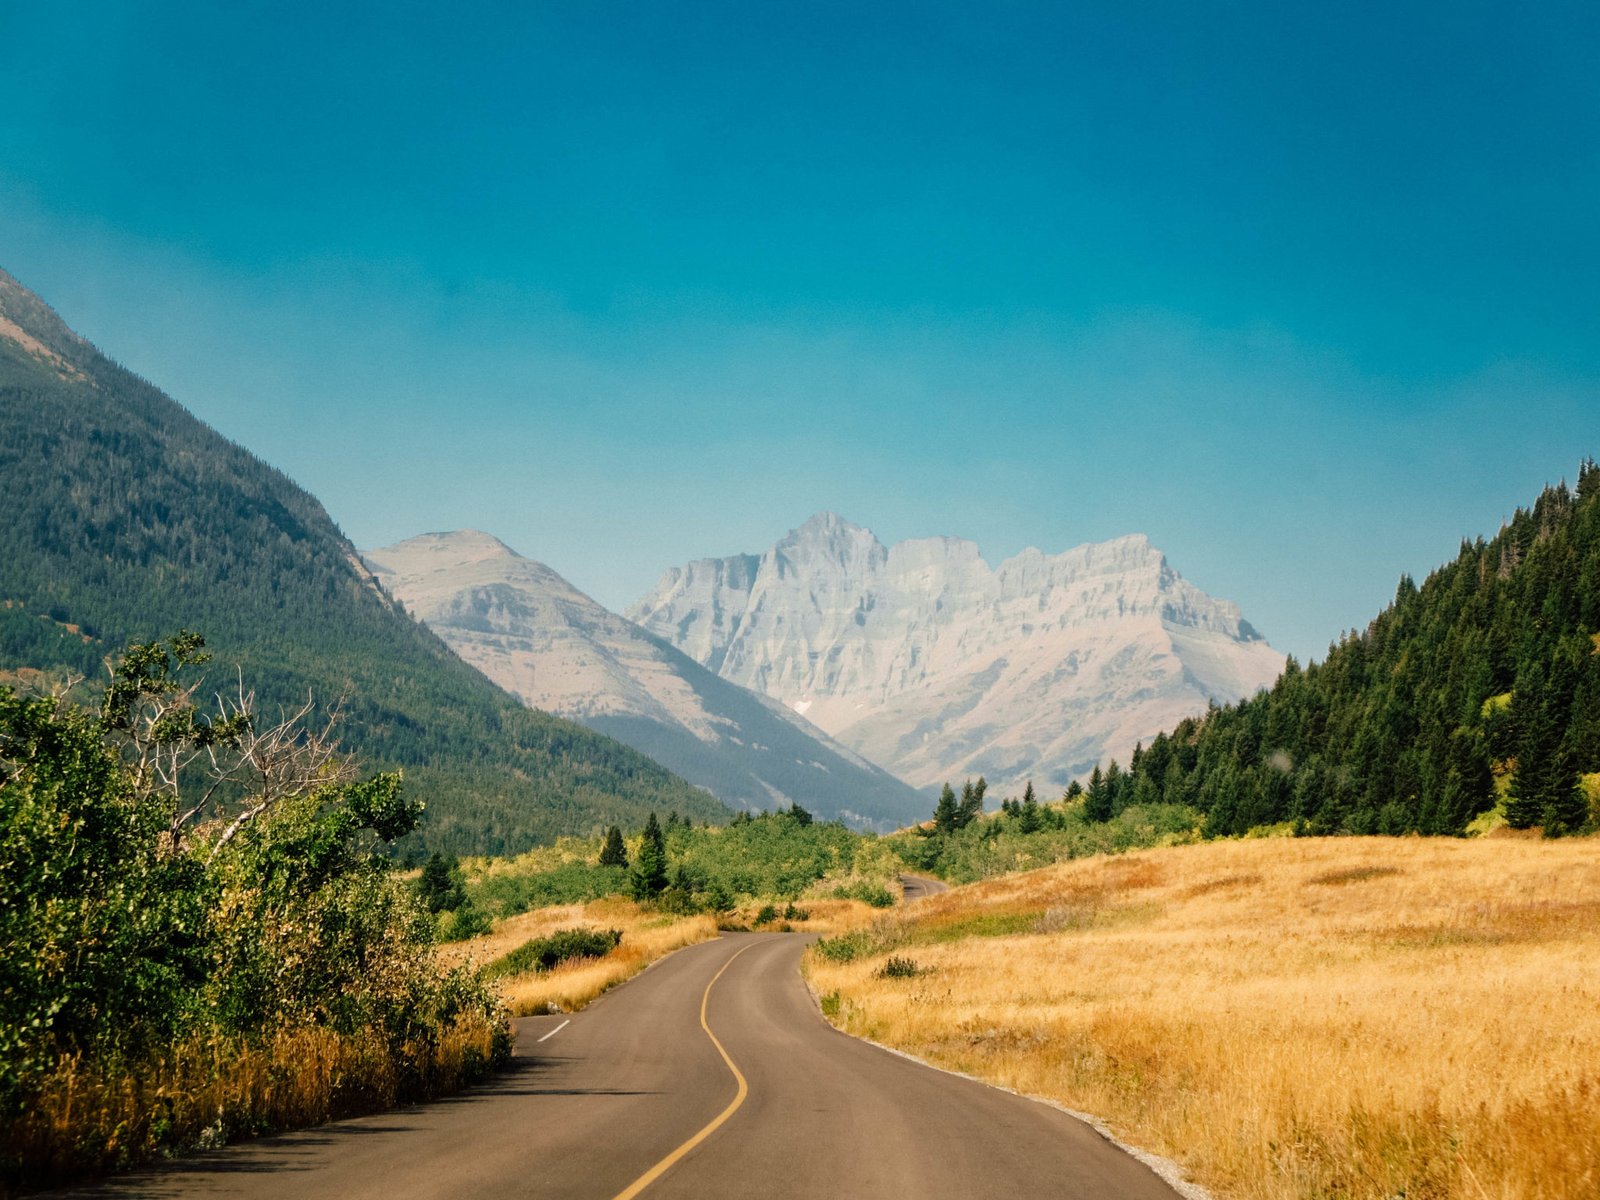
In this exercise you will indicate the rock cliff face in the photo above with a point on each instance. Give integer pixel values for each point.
(932, 664)
(547, 643)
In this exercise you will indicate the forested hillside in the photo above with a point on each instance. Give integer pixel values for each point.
(1480, 687)
(126, 518)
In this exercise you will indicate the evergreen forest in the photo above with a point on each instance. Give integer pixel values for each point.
(1477, 692)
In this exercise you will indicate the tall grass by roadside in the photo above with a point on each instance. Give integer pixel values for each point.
(646, 935)
(176, 971)
(1355, 1018)
(213, 1089)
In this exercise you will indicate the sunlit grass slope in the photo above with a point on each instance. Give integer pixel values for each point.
(1349, 1017)
(646, 936)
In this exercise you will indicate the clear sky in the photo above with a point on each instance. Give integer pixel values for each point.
(1305, 293)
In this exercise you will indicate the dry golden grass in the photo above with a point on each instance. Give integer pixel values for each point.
(1353, 1018)
(646, 936)
(212, 1089)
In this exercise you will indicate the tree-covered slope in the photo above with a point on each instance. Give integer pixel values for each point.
(1487, 674)
(126, 518)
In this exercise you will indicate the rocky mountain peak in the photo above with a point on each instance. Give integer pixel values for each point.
(546, 642)
(932, 664)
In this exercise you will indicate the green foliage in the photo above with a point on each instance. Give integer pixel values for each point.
(441, 887)
(648, 878)
(613, 853)
(1489, 668)
(847, 947)
(867, 891)
(898, 967)
(543, 953)
(949, 815)
(767, 914)
(128, 930)
(104, 935)
(506, 892)
(1019, 838)
(773, 857)
(467, 921)
(125, 516)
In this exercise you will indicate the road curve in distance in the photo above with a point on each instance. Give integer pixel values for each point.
(920, 887)
(797, 1111)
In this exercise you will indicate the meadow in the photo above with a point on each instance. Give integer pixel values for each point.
(647, 934)
(1287, 1018)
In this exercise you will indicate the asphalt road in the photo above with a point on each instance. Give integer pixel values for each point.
(920, 887)
(597, 1105)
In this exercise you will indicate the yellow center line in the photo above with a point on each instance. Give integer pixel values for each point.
(661, 1168)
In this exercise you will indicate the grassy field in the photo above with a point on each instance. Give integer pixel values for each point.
(1351, 1017)
(646, 936)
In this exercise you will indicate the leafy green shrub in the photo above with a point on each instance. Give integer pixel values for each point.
(766, 915)
(793, 913)
(507, 894)
(866, 891)
(543, 953)
(467, 921)
(137, 917)
(897, 967)
(847, 947)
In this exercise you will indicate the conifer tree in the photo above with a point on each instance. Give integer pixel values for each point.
(1029, 810)
(971, 802)
(649, 875)
(613, 853)
(946, 813)
(1097, 802)
(441, 887)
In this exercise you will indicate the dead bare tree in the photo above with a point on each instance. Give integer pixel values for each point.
(195, 761)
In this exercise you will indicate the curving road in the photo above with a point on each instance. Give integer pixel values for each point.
(920, 887)
(720, 1042)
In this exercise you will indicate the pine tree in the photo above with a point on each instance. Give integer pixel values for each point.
(613, 853)
(1029, 810)
(971, 802)
(441, 887)
(649, 875)
(945, 813)
(1097, 802)
(1542, 785)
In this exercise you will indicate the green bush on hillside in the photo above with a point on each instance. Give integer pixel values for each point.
(543, 953)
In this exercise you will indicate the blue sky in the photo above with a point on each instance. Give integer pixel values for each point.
(1306, 296)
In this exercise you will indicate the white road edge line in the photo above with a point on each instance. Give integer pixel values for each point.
(556, 1030)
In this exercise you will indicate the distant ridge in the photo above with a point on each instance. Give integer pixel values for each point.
(928, 662)
(543, 640)
(126, 518)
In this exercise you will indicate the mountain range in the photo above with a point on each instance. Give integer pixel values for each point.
(928, 662)
(126, 518)
(554, 648)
